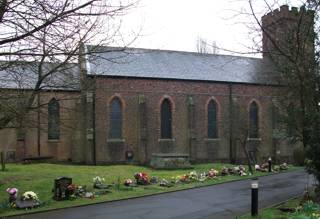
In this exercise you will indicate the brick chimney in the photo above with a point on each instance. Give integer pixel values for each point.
(288, 30)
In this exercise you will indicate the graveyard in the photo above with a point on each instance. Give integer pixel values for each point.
(60, 186)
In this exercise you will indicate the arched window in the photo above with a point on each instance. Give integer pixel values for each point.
(212, 120)
(254, 120)
(53, 120)
(115, 119)
(166, 119)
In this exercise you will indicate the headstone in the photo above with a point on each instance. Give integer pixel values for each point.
(23, 204)
(101, 186)
(3, 163)
(61, 191)
(154, 180)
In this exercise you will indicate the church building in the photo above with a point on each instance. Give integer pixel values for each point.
(131, 103)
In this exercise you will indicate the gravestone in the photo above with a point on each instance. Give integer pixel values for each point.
(3, 162)
(60, 189)
(23, 204)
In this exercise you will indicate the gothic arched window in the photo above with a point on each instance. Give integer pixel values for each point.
(53, 119)
(115, 119)
(166, 119)
(212, 120)
(253, 120)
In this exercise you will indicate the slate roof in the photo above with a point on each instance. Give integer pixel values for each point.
(163, 64)
(24, 75)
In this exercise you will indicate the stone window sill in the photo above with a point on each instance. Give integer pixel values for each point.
(53, 140)
(116, 140)
(212, 139)
(166, 140)
(253, 139)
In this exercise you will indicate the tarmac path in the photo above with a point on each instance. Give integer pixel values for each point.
(226, 200)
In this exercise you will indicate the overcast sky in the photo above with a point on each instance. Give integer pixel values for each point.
(176, 24)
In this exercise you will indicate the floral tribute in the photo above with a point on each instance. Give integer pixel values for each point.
(284, 166)
(193, 176)
(13, 193)
(212, 173)
(30, 196)
(128, 182)
(98, 180)
(141, 178)
(71, 189)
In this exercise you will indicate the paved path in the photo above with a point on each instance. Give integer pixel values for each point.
(219, 201)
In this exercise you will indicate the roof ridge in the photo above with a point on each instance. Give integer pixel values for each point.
(171, 51)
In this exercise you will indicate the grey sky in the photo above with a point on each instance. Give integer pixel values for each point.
(176, 24)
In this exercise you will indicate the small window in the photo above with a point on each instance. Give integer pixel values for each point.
(166, 119)
(212, 120)
(254, 120)
(115, 119)
(53, 120)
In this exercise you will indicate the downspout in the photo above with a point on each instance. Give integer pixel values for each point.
(231, 125)
(38, 125)
(94, 127)
(88, 70)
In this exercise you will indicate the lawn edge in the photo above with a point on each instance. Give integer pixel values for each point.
(147, 195)
(274, 205)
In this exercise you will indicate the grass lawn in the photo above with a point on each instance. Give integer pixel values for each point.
(274, 212)
(40, 178)
(309, 210)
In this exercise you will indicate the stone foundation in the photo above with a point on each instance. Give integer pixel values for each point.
(170, 161)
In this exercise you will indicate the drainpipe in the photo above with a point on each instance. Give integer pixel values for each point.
(38, 125)
(94, 127)
(230, 125)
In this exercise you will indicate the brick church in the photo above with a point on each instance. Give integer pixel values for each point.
(143, 101)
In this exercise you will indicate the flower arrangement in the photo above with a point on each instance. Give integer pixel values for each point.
(80, 191)
(142, 178)
(128, 182)
(224, 171)
(284, 166)
(184, 178)
(13, 193)
(213, 173)
(242, 173)
(164, 183)
(30, 195)
(193, 176)
(202, 177)
(98, 180)
(71, 189)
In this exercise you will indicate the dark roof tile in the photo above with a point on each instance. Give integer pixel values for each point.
(163, 64)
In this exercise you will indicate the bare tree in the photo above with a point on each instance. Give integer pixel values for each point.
(290, 40)
(41, 39)
(39, 47)
(21, 21)
(287, 39)
(203, 46)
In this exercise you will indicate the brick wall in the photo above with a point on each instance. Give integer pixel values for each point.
(178, 92)
(25, 144)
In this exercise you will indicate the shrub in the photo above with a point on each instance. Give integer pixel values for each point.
(299, 156)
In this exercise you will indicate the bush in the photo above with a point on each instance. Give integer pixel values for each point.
(309, 210)
(299, 156)
(313, 149)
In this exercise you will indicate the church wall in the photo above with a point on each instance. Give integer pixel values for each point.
(60, 149)
(24, 143)
(177, 91)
